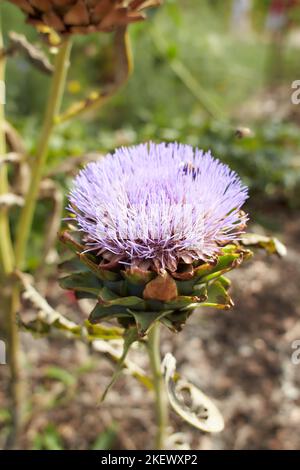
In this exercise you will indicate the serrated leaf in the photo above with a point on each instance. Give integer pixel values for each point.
(103, 274)
(192, 405)
(101, 312)
(131, 301)
(72, 265)
(203, 270)
(118, 287)
(186, 287)
(217, 297)
(109, 299)
(176, 320)
(144, 320)
(105, 295)
(156, 306)
(183, 301)
(83, 282)
(225, 263)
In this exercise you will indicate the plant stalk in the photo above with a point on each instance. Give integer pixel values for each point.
(161, 403)
(6, 248)
(23, 231)
(8, 322)
(53, 105)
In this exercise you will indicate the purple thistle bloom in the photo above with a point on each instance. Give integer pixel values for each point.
(157, 205)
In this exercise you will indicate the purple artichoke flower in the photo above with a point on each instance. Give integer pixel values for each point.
(157, 205)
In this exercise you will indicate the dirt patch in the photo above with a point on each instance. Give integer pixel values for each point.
(241, 358)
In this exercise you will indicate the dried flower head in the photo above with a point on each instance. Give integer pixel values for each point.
(83, 16)
(154, 206)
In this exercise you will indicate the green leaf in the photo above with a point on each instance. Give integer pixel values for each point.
(106, 439)
(203, 270)
(62, 375)
(4, 416)
(226, 283)
(131, 301)
(176, 320)
(183, 301)
(72, 265)
(186, 287)
(225, 263)
(103, 274)
(86, 295)
(101, 312)
(118, 287)
(130, 336)
(218, 297)
(109, 298)
(144, 320)
(48, 439)
(81, 282)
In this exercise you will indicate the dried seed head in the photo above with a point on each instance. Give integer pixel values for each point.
(84, 16)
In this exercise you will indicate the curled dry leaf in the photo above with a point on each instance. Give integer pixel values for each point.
(19, 43)
(9, 199)
(189, 402)
(271, 244)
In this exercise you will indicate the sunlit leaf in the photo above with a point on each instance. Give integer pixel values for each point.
(217, 296)
(271, 244)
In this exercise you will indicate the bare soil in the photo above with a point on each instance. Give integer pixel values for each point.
(241, 358)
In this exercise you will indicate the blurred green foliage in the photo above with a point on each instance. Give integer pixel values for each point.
(48, 439)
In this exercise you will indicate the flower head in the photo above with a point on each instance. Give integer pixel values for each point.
(83, 16)
(156, 206)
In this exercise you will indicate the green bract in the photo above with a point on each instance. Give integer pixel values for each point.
(139, 298)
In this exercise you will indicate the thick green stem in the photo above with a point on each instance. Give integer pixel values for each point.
(14, 362)
(54, 102)
(8, 322)
(25, 222)
(161, 403)
(6, 250)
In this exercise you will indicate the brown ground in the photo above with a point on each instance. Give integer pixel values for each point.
(241, 358)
